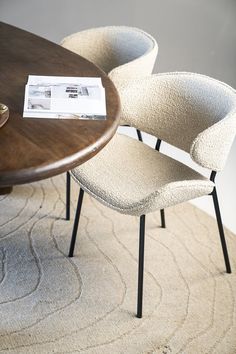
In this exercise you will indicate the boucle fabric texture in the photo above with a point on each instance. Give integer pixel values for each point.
(122, 52)
(132, 178)
(51, 304)
(190, 111)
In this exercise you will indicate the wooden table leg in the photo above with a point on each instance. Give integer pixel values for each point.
(5, 190)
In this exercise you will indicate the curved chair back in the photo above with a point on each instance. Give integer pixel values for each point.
(190, 111)
(123, 52)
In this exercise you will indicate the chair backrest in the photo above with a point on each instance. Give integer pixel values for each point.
(122, 52)
(190, 111)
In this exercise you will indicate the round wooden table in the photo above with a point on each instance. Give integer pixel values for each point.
(34, 149)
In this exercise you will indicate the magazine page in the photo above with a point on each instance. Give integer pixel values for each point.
(64, 97)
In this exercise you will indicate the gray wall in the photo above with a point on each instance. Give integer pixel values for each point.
(193, 35)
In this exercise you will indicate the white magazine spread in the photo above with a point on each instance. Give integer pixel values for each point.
(64, 97)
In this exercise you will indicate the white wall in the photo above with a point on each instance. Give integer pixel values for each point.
(193, 35)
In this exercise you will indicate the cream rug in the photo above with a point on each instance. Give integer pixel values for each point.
(52, 304)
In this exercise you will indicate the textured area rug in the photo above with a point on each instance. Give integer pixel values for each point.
(50, 303)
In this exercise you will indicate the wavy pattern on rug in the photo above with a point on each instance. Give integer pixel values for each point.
(50, 303)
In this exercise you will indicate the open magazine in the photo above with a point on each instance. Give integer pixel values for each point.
(64, 97)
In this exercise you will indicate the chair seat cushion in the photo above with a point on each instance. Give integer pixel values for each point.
(132, 178)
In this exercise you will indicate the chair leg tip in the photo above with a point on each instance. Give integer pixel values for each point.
(70, 255)
(139, 315)
(228, 267)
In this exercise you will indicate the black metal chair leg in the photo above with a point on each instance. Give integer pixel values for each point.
(158, 144)
(221, 231)
(140, 138)
(141, 266)
(163, 220)
(68, 195)
(76, 222)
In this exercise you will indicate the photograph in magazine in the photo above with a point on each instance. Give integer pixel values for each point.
(72, 99)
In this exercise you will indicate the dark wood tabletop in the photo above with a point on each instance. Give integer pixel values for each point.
(34, 149)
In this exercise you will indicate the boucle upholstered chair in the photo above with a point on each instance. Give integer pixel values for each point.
(190, 111)
(124, 53)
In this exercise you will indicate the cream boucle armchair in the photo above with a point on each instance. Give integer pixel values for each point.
(190, 111)
(124, 53)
